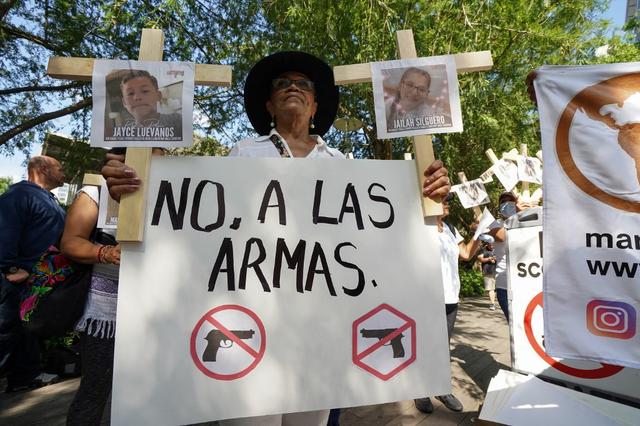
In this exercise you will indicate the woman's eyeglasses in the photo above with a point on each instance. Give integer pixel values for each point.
(417, 89)
(282, 83)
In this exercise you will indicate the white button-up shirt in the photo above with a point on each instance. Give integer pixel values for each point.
(449, 253)
(263, 147)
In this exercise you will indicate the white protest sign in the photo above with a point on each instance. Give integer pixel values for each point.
(507, 173)
(592, 211)
(524, 252)
(471, 193)
(529, 169)
(484, 223)
(142, 103)
(263, 285)
(514, 399)
(487, 176)
(107, 210)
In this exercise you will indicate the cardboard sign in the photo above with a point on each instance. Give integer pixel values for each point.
(416, 97)
(588, 119)
(142, 103)
(242, 299)
(524, 252)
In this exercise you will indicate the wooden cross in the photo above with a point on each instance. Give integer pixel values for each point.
(132, 206)
(422, 146)
(476, 209)
(494, 159)
(92, 179)
(515, 156)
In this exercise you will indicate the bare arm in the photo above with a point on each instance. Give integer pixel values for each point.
(75, 244)
(468, 250)
(499, 234)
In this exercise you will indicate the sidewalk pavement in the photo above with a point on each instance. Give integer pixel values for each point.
(479, 348)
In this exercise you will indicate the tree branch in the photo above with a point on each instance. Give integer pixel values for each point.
(4, 137)
(60, 88)
(18, 33)
(4, 8)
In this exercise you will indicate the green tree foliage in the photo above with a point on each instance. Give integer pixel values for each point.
(471, 283)
(5, 182)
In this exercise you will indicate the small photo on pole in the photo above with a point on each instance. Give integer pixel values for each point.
(530, 170)
(416, 96)
(142, 104)
(471, 193)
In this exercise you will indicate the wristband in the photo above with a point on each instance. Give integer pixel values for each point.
(101, 254)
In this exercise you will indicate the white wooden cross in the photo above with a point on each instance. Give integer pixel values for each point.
(422, 146)
(494, 159)
(132, 206)
(514, 155)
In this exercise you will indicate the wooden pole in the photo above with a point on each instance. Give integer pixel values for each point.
(132, 206)
(422, 146)
(526, 195)
(131, 215)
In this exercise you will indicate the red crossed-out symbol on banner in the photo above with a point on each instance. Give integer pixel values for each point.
(597, 373)
(386, 336)
(228, 335)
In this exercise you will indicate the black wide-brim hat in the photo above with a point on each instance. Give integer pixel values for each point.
(257, 88)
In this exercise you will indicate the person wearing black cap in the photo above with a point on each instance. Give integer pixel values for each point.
(291, 101)
(452, 249)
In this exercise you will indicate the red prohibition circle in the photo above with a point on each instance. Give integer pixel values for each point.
(242, 373)
(598, 373)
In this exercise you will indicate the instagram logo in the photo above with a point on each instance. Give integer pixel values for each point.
(611, 319)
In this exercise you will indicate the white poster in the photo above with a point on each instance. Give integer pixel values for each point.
(507, 173)
(142, 104)
(487, 176)
(471, 193)
(529, 169)
(107, 210)
(416, 97)
(264, 285)
(529, 355)
(589, 118)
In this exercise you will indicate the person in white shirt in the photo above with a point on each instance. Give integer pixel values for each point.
(291, 101)
(452, 248)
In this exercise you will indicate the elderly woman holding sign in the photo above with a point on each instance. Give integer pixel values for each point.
(291, 100)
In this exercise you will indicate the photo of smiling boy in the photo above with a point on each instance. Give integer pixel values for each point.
(140, 96)
(133, 110)
(142, 104)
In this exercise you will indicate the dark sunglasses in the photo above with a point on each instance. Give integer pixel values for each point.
(282, 83)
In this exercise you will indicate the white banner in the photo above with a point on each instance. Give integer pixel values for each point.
(589, 118)
(524, 253)
(264, 286)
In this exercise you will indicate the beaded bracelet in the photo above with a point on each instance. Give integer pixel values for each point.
(101, 254)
